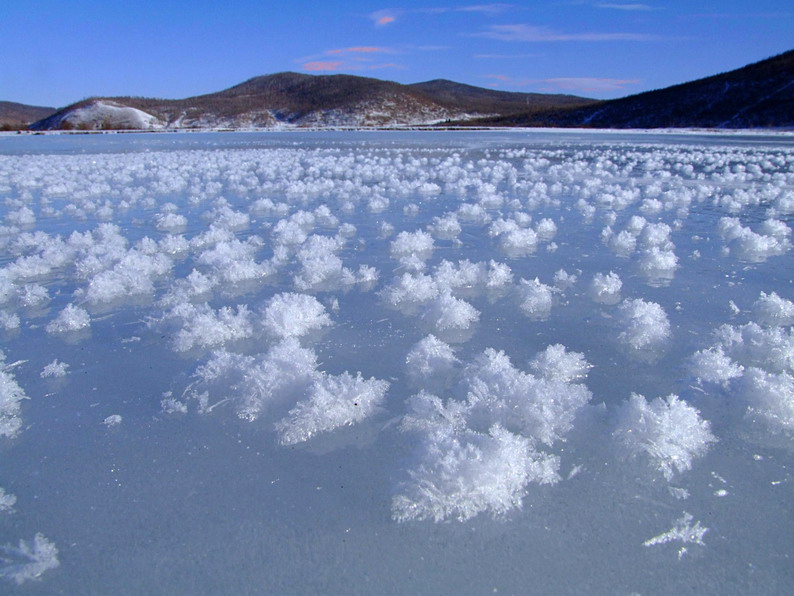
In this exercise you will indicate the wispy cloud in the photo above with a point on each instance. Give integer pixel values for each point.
(497, 8)
(629, 7)
(391, 15)
(531, 33)
(348, 59)
(384, 17)
(320, 65)
(557, 84)
(504, 56)
(361, 50)
(346, 66)
(738, 15)
(589, 84)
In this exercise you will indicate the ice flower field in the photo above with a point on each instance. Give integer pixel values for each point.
(396, 362)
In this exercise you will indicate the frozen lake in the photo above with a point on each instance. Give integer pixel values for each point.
(396, 362)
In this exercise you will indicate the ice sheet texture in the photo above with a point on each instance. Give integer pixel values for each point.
(282, 355)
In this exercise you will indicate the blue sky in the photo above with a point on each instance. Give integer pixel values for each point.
(55, 52)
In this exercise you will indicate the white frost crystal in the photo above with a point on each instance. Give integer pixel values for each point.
(55, 369)
(431, 364)
(113, 420)
(771, 309)
(11, 396)
(334, 401)
(606, 288)
(71, 318)
(645, 325)
(293, 315)
(7, 501)
(28, 561)
(669, 432)
(684, 531)
(479, 454)
(464, 474)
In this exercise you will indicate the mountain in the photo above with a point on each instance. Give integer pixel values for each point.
(759, 95)
(291, 99)
(469, 98)
(14, 116)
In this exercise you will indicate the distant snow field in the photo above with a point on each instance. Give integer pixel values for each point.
(396, 363)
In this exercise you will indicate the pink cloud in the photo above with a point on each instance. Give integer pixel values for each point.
(323, 65)
(498, 77)
(383, 17)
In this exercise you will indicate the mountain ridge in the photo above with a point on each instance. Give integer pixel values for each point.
(757, 95)
(290, 99)
(15, 115)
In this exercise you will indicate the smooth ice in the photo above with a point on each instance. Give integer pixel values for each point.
(396, 362)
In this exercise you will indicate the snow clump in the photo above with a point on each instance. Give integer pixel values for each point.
(645, 326)
(293, 315)
(464, 473)
(412, 249)
(535, 298)
(756, 365)
(7, 501)
(112, 420)
(9, 321)
(284, 378)
(447, 313)
(769, 397)
(55, 369)
(713, 365)
(71, 318)
(333, 402)
(605, 289)
(668, 432)
(431, 364)
(479, 454)
(771, 309)
(11, 396)
(202, 327)
(755, 247)
(28, 561)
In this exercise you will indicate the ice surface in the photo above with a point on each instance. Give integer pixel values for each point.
(320, 344)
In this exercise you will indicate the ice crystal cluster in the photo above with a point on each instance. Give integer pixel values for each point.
(240, 362)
